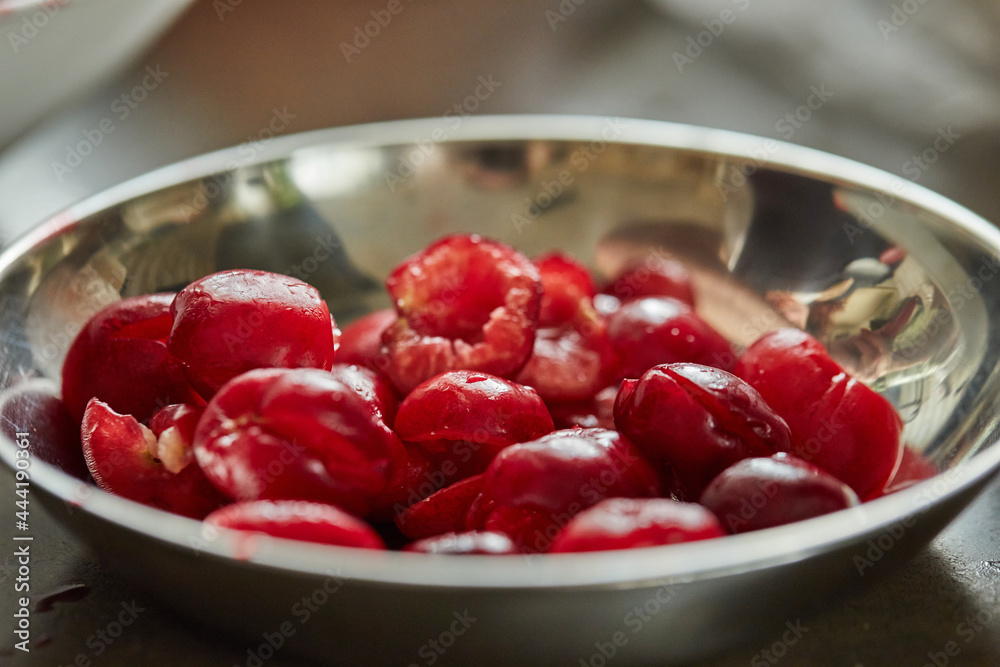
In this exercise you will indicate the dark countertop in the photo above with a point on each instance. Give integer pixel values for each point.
(227, 78)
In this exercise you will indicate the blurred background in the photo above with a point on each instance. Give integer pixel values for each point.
(93, 92)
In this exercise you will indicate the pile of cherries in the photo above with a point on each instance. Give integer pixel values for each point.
(502, 406)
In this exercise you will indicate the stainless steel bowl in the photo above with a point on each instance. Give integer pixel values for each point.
(775, 234)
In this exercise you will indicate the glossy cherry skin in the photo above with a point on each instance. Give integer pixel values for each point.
(301, 434)
(574, 360)
(837, 423)
(760, 493)
(573, 357)
(469, 406)
(442, 512)
(657, 276)
(181, 417)
(361, 340)
(531, 489)
(789, 359)
(470, 543)
(530, 529)
(120, 357)
(697, 420)
(628, 523)
(371, 386)
(572, 466)
(657, 330)
(298, 520)
(234, 321)
(565, 282)
(412, 477)
(465, 302)
(53, 435)
(125, 458)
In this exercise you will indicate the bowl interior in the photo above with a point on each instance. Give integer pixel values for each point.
(897, 282)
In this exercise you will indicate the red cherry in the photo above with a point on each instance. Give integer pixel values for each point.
(298, 520)
(486, 411)
(361, 340)
(568, 467)
(52, 434)
(654, 330)
(534, 487)
(530, 530)
(465, 543)
(572, 361)
(573, 357)
(412, 477)
(565, 282)
(299, 434)
(837, 423)
(234, 321)
(120, 357)
(657, 276)
(627, 523)
(698, 420)
(764, 492)
(769, 363)
(442, 512)
(485, 348)
(371, 386)
(180, 416)
(127, 459)
(464, 303)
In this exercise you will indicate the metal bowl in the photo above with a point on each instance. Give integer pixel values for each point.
(897, 281)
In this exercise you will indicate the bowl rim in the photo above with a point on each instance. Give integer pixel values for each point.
(635, 567)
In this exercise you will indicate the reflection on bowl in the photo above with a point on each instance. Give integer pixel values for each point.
(901, 292)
